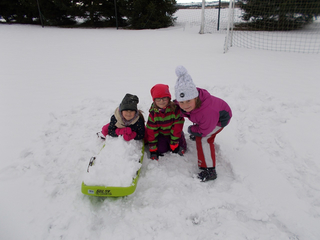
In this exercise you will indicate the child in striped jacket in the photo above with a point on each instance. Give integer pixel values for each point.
(165, 124)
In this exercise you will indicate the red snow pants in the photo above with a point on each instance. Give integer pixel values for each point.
(206, 150)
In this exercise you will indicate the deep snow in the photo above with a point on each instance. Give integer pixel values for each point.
(60, 86)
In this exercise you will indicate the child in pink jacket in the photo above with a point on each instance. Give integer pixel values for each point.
(209, 115)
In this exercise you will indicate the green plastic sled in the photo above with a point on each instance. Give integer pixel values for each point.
(112, 191)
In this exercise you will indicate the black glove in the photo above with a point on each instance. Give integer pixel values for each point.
(192, 137)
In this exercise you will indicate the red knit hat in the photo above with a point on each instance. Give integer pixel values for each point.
(160, 91)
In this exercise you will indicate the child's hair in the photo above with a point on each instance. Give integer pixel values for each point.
(170, 103)
(198, 103)
(141, 115)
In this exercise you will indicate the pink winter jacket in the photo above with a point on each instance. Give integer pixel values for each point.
(212, 112)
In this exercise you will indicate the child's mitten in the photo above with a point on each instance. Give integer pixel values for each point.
(128, 130)
(105, 129)
(129, 136)
(120, 131)
(196, 134)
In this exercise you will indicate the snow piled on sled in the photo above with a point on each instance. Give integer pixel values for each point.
(116, 164)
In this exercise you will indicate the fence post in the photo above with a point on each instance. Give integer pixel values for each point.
(115, 7)
(40, 15)
(202, 17)
(218, 27)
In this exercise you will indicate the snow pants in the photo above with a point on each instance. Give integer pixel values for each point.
(164, 143)
(206, 150)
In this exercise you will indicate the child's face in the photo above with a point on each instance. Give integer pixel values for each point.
(188, 105)
(162, 102)
(128, 114)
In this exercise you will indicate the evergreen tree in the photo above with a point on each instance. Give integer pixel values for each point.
(57, 12)
(8, 9)
(279, 14)
(150, 14)
(53, 12)
(18, 11)
(139, 14)
(101, 13)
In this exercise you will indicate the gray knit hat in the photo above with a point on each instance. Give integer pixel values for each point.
(184, 88)
(129, 102)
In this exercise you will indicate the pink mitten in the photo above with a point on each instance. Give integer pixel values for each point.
(128, 130)
(120, 131)
(130, 136)
(104, 130)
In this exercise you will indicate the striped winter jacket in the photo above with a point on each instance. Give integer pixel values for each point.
(167, 122)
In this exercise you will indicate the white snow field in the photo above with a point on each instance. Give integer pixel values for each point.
(60, 86)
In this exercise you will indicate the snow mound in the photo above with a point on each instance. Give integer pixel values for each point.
(116, 164)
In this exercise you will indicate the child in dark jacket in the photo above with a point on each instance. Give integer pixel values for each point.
(127, 121)
(209, 115)
(165, 124)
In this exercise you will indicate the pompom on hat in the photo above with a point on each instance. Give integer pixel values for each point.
(160, 91)
(185, 89)
(129, 102)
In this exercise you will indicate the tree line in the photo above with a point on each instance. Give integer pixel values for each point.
(277, 15)
(151, 14)
(135, 14)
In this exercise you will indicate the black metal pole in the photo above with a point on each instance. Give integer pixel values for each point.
(115, 7)
(218, 27)
(40, 13)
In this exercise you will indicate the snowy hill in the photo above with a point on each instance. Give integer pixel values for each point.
(60, 86)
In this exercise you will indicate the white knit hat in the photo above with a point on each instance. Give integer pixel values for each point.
(184, 88)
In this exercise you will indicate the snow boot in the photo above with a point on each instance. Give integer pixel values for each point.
(207, 174)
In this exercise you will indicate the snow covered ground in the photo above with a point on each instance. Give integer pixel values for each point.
(60, 86)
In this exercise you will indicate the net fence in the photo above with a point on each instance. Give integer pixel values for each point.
(294, 34)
